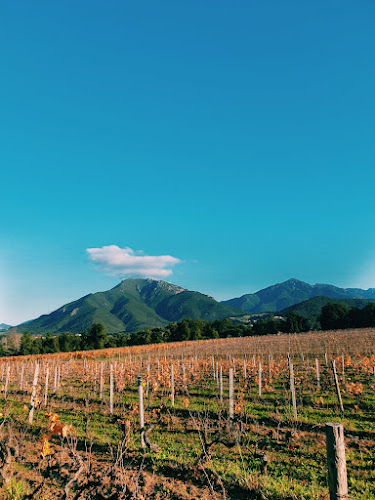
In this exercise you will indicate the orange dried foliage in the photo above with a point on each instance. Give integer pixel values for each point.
(56, 427)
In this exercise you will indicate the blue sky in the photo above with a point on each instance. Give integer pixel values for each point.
(236, 138)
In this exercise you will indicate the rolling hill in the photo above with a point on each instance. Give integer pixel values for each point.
(282, 295)
(4, 326)
(312, 308)
(132, 305)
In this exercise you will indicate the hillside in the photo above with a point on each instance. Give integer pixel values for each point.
(282, 295)
(132, 305)
(4, 326)
(312, 308)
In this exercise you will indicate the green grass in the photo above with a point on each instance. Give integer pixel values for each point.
(297, 465)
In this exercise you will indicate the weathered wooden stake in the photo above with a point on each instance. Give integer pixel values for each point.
(101, 382)
(141, 412)
(337, 478)
(46, 387)
(260, 379)
(292, 389)
(21, 379)
(111, 389)
(33, 394)
(221, 384)
(317, 373)
(7, 381)
(231, 395)
(337, 385)
(269, 367)
(55, 380)
(172, 385)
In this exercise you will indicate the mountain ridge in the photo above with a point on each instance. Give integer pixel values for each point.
(5, 326)
(138, 304)
(290, 292)
(130, 306)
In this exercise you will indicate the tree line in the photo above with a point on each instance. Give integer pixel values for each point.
(188, 329)
(334, 315)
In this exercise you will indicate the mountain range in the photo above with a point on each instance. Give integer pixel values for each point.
(4, 326)
(133, 305)
(137, 304)
(312, 308)
(282, 295)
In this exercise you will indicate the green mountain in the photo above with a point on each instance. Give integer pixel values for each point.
(4, 326)
(312, 308)
(282, 295)
(132, 305)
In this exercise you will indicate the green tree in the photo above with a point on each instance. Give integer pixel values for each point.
(95, 337)
(184, 330)
(51, 343)
(295, 323)
(368, 315)
(334, 316)
(26, 344)
(68, 342)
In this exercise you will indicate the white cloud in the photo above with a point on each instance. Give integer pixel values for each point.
(126, 262)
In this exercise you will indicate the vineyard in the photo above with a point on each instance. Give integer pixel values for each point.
(236, 418)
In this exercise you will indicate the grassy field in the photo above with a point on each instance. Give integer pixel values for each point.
(195, 450)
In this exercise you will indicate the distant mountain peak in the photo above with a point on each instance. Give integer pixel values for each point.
(4, 326)
(132, 305)
(293, 281)
(293, 291)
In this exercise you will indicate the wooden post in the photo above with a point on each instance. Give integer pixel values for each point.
(292, 389)
(337, 479)
(183, 369)
(269, 368)
(260, 379)
(55, 380)
(337, 386)
(111, 389)
(231, 395)
(244, 369)
(221, 384)
(22, 374)
(141, 412)
(172, 385)
(46, 387)
(7, 382)
(33, 394)
(101, 382)
(343, 368)
(317, 373)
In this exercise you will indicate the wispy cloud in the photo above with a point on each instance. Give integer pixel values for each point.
(124, 262)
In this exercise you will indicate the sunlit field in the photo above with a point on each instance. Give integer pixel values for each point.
(197, 441)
